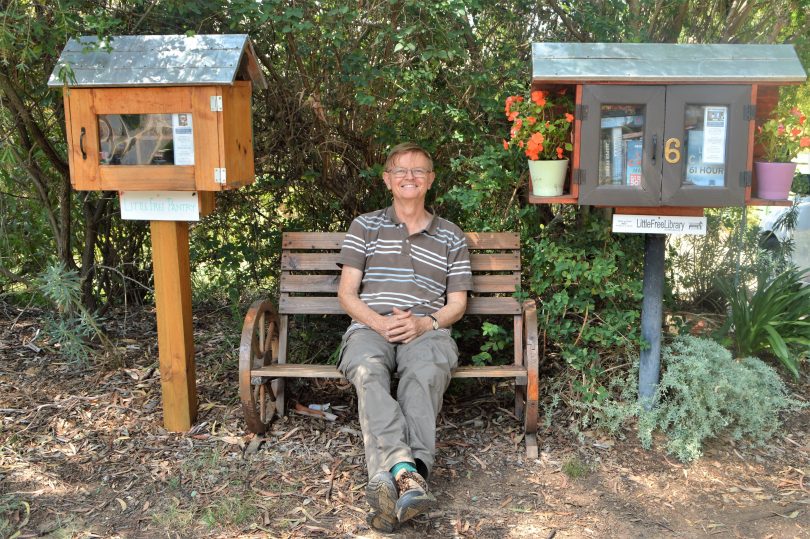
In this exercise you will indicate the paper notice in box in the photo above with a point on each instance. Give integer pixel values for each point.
(714, 134)
(183, 133)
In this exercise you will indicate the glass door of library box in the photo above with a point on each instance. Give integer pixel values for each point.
(677, 145)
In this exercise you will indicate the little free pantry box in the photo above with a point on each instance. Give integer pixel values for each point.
(159, 113)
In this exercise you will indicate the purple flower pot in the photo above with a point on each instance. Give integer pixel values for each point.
(774, 179)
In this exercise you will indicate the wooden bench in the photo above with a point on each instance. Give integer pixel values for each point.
(309, 283)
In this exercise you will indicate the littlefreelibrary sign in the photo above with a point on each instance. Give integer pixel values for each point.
(659, 224)
(160, 205)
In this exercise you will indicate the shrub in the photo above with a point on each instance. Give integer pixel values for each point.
(588, 282)
(705, 393)
(694, 263)
(72, 326)
(774, 319)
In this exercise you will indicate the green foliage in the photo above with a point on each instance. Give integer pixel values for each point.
(230, 511)
(704, 393)
(695, 263)
(700, 21)
(588, 282)
(801, 185)
(172, 517)
(14, 515)
(497, 340)
(487, 196)
(774, 319)
(576, 468)
(784, 134)
(71, 326)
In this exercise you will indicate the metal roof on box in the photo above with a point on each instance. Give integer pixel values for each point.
(167, 60)
(665, 62)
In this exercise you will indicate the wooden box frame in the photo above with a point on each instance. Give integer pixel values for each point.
(222, 139)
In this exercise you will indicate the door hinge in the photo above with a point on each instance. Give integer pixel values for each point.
(578, 176)
(745, 178)
(219, 175)
(750, 112)
(216, 103)
(581, 112)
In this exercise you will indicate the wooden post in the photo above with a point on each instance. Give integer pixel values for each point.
(652, 308)
(170, 259)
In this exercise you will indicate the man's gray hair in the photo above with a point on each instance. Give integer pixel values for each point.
(403, 148)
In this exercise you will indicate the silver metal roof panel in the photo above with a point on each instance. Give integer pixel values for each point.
(168, 60)
(665, 62)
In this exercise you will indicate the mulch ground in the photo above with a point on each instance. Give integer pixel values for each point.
(83, 454)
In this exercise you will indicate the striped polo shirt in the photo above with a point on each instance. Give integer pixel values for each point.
(411, 272)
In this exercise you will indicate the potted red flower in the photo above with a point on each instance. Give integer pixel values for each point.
(781, 137)
(541, 129)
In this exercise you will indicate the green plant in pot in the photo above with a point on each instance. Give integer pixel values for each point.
(541, 129)
(781, 138)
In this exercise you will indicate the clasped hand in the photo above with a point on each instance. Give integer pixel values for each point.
(402, 326)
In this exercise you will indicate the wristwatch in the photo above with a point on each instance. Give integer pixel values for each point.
(435, 322)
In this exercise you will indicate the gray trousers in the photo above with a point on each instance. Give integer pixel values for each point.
(401, 429)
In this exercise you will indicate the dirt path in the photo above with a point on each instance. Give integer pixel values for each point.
(83, 454)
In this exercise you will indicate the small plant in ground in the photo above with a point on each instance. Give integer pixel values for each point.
(230, 511)
(172, 517)
(774, 319)
(575, 468)
(705, 393)
(497, 340)
(202, 471)
(14, 514)
(73, 326)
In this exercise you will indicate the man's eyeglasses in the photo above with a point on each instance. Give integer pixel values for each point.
(400, 173)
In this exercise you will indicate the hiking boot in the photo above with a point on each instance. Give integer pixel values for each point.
(414, 498)
(381, 494)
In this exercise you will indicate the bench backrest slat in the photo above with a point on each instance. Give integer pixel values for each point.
(304, 241)
(328, 262)
(331, 305)
(328, 283)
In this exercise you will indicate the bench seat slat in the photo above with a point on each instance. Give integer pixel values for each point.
(293, 370)
(509, 261)
(320, 283)
(333, 240)
(331, 305)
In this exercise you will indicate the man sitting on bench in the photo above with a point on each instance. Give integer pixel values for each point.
(404, 281)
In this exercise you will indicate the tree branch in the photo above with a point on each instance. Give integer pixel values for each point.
(39, 137)
(13, 277)
(555, 6)
(35, 173)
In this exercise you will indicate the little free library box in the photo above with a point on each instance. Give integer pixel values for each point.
(665, 126)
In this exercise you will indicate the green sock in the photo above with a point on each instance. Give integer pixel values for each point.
(402, 466)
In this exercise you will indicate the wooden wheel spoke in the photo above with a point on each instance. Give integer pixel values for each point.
(262, 407)
(271, 335)
(261, 325)
(258, 349)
